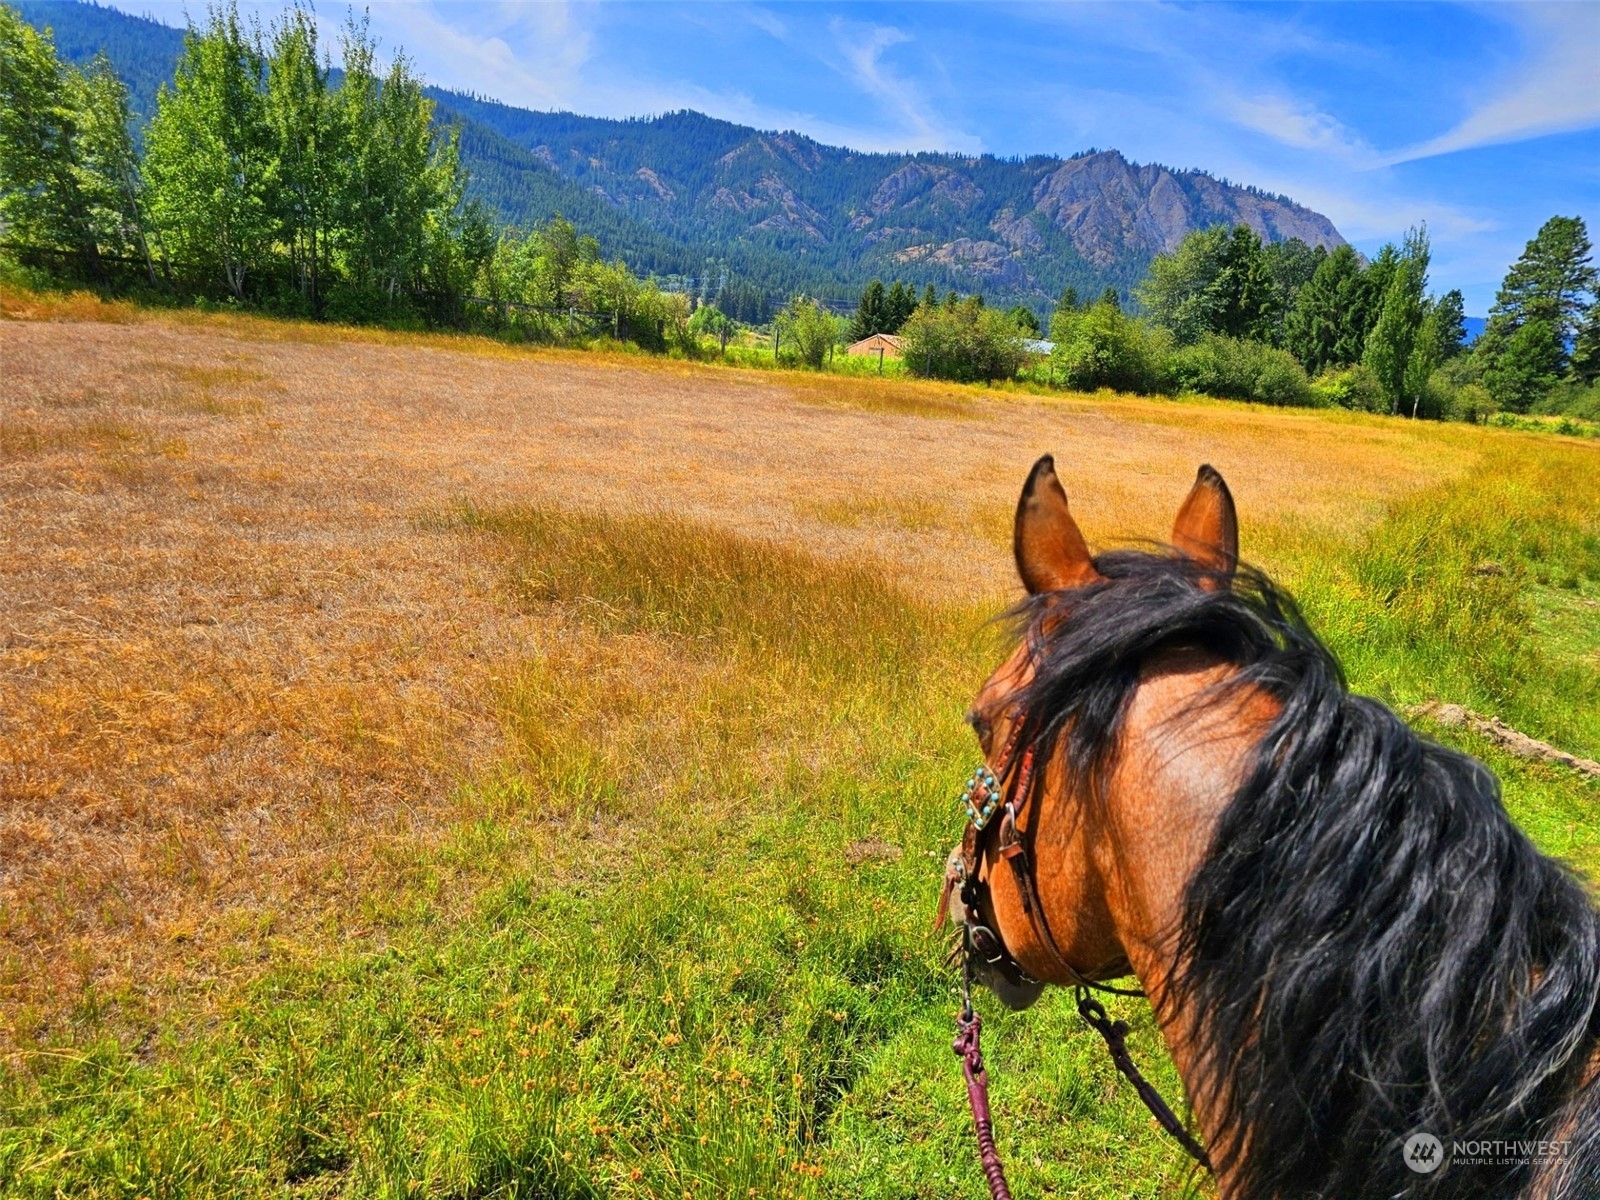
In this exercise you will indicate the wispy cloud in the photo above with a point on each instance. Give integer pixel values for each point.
(1297, 124)
(861, 49)
(1556, 90)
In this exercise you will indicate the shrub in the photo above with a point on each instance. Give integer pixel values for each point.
(1101, 347)
(1572, 399)
(963, 341)
(1241, 370)
(1349, 387)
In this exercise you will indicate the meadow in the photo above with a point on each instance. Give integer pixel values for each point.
(430, 767)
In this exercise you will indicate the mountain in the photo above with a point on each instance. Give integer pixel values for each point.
(687, 194)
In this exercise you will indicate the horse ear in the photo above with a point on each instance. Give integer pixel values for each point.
(1207, 528)
(1050, 550)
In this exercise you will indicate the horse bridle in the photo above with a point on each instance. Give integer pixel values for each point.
(984, 797)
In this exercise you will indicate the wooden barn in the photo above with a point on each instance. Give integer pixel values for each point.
(885, 344)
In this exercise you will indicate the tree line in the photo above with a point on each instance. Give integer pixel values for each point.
(267, 177)
(1286, 323)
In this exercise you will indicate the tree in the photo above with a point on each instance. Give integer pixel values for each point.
(1427, 352)
(1525, 367)
(810, 329)
(872, 314)
(107, 165)
(1584, 366)
(1450, 309)
(962, 341)
(209, 160)
(1102, 347)
(1549, 282)
(1177, 293)
(1393, 339)
(1110, 297)
(898, 306)
(1217, 281)
(398, 180)
(1325, 327)
(1025, 320)
(41, 200)
(1243, 291)
(1069, 300)
(1538, 310)
(1290, 265)
(308, 144)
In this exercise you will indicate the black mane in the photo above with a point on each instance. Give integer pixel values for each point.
(1370, 947)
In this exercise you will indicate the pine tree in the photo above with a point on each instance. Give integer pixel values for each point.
(1450, 311)
(1110, 298)
(1242, 292)
(1550, 282)
(1536, 312)
(1526, 367)
(1324, 328)
(1584, 366)
(1068, 301)
(900, 304)
(871, 314)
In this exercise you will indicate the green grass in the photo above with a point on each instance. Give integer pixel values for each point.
(671, 980)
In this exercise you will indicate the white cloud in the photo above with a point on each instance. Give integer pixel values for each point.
(861, 47)
(1556, 91)
(1296, 124)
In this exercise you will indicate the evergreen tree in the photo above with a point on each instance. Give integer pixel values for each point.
(1068, 301)
(1584, 366)
(872, 313)
(1525, 367)
(1450, 312)
(1025, 319)
(1290, 265)
(1110, 297)
(209, 162)
(41, 200)
(929, 297)
(1549, 283)
(900, 304)
(1324, 328)
(1374, 289)
(1242, 292)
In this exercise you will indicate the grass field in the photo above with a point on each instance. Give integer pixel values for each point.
(430, 768)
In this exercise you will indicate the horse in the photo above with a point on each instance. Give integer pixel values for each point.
(1370, 982)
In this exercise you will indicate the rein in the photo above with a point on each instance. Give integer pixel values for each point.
(983, 797)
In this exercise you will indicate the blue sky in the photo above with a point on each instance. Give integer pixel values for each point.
(1480, 119)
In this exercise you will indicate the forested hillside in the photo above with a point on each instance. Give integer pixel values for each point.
(688, 194)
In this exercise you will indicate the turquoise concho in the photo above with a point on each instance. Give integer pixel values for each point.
(981, 797)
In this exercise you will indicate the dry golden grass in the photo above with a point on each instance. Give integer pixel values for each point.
(242, 658)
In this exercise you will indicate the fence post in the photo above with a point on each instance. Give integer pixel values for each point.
(880, 360)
